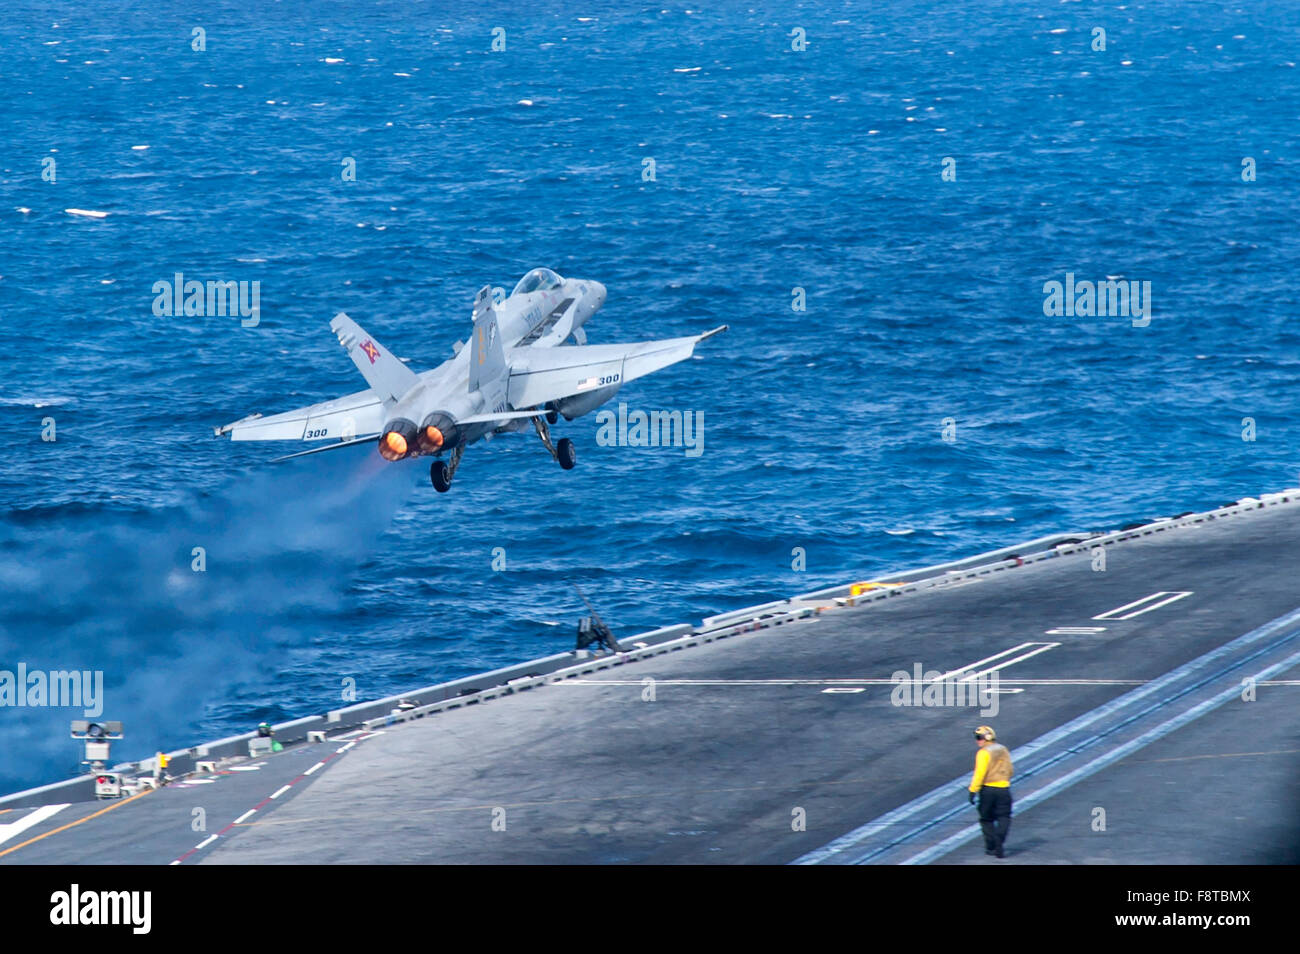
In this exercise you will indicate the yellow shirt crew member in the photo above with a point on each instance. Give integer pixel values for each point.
(992, 767)
(992, 784)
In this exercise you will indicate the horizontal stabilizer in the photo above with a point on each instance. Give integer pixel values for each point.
(341, 419)
(368, 439)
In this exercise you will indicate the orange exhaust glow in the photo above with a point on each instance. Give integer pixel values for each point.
(433, 436)
(396, 443)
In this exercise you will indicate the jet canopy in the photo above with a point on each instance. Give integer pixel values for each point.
(539, 279)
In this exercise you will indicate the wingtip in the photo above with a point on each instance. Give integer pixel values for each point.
(228, 428)
(716, 331)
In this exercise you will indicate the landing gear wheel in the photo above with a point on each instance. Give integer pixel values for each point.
(552, 415)
(440, 476)
(566, 453)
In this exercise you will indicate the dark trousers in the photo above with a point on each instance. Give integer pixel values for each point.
(995, 816)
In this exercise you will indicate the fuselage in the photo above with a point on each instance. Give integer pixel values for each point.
(542, 311)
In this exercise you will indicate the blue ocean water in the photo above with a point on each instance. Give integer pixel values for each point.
(774, 169)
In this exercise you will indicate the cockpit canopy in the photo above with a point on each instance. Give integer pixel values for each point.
(539, 279)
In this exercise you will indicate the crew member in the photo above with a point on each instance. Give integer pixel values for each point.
(992, 784)
(593, 630)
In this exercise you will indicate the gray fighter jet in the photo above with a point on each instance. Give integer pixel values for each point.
(518, 370)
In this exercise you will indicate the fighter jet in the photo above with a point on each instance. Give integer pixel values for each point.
(518, 370)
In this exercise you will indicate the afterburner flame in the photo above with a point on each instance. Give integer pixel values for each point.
(396, 443)
(433, 436)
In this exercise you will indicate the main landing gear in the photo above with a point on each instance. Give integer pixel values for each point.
(564, 451)
(442, 471)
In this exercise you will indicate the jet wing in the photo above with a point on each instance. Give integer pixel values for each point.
(354, 416)
(540, 375)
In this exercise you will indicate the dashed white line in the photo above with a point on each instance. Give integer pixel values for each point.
(252, 811)
(1041, 648)
(1170, 597)
(988, 659)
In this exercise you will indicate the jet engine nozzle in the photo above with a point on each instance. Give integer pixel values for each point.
(398, 440)
(438, 433)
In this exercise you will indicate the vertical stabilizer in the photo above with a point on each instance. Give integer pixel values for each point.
(487, 360)
(386, 375)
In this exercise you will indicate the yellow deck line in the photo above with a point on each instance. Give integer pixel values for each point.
(79, 821)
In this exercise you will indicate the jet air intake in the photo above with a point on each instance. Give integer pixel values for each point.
(438, 433)
(398, 440)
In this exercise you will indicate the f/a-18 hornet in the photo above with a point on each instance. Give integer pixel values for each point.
(517, 370)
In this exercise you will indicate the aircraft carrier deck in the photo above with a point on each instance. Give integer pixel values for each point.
(1150, 709)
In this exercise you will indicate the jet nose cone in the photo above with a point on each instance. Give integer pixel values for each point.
(599, 291)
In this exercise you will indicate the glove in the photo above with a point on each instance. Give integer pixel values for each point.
(972, 797)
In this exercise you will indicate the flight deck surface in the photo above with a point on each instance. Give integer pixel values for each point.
(1122, 694)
